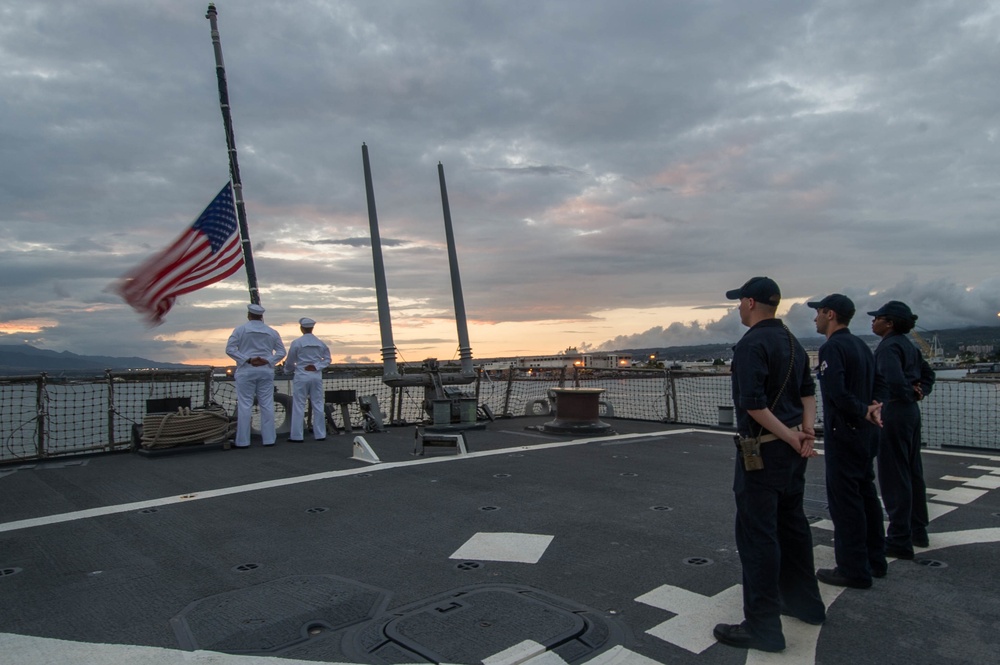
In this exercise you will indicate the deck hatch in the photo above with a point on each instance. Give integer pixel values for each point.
(276, 615)
(473, 623)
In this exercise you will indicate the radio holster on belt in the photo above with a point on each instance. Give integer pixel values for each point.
(750, 452)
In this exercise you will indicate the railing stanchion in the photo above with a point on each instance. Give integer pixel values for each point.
(40, 413)
(510, 389)
(208, 385)
(111, 409)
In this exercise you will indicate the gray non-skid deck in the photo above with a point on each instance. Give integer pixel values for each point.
(615, 548)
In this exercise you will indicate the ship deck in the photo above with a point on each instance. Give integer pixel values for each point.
(532, 547)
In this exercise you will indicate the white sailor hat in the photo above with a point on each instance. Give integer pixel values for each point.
(254, 308)
(306, 322)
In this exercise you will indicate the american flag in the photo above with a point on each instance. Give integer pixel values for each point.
(206, 253)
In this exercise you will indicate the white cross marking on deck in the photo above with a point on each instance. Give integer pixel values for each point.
(619, 655)
(697, 615)
(991, 469)
(959, 495)
(982, 482)
(936, 510)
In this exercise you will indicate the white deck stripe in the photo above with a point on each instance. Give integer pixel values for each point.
(283, 482)
(385, 466)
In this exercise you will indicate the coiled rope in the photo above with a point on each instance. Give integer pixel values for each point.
(166, 430)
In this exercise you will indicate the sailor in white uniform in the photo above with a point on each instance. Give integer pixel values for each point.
(256, 348)
(308, 356)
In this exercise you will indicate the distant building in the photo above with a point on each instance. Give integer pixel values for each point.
(978, 349)
(569, 358)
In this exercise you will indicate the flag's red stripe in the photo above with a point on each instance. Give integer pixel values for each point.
(187, 265)
(196, 271)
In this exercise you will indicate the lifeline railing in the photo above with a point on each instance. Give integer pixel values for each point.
(43, 416)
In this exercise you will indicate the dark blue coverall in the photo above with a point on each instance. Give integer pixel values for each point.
(847, 379)
(898, 366)
(772, 532)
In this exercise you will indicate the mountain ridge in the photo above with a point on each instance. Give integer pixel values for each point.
(26, 359)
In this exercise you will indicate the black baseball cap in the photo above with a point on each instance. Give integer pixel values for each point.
(836, 302)
(761, 289)
(895, 309)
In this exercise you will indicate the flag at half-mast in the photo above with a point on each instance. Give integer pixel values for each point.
(208, 252)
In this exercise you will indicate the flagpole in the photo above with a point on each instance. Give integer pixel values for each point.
(234, 166)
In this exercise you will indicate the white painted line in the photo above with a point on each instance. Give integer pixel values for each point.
(547, 658)
(619, 655)
(988, 469)
(970, 537)
(936, 510)
(955, 453)
(516, 654)
(27, 650)
(959, 495)
(696, 616)
(823, 524)
(283, 482)
(512, 547)
(984, 482)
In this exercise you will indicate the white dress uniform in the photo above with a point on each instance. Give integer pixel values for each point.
(255, 339)
(307, 384)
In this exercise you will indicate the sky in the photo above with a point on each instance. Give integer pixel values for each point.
(613, 168)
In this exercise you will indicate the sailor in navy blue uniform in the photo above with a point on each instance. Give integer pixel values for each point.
(850, 436)
(775, 404)
(903, 378)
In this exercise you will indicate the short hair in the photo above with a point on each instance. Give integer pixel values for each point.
(841, 318)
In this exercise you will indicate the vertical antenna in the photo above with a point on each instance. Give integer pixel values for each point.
(464, 350)
(389, 370)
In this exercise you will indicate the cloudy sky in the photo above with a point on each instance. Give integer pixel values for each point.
(613, 167)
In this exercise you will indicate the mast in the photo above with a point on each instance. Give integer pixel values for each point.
(464, 350)
(389, 371)
(234, 167)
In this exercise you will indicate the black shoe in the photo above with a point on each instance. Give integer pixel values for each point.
(921, 541)
(736, 635)
(898, 552)
(294, 440)
(323, 439)
(880, 572)
(834, 577)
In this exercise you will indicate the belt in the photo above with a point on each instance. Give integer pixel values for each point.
(775, 437)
